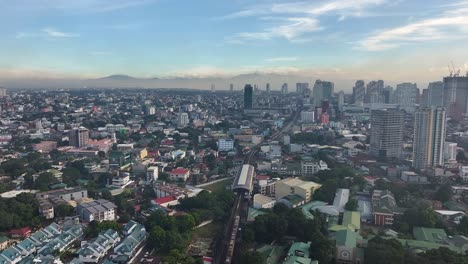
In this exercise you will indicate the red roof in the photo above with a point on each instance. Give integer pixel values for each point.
(179, 171)
(21, 232)
(262, 177)
(164, 200)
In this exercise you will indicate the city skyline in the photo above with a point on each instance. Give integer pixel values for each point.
(340, 41)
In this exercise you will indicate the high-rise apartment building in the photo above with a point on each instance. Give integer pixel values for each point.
(429, 137)
(248, 96)
(284, 88)
(386, 133)
(182, 119)
(435, 94)
(341, 98)
(387, 94)
(406, 95)
(307, 116)
(301, 88)
(359, 92)
(3, 92)
(268, 87)
(322, 90)
(456, 96)
(374, 92)
(450, 151)
(78, 137)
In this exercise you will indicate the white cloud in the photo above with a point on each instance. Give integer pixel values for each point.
(290, 29)
(446, 27)
(341, 7)
(281, 59)
(54, 33)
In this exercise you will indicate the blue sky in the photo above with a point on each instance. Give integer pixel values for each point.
(405, 40)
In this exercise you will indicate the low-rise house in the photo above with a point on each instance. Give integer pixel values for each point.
(261, 201)
(135, 236)
(98, 210)
(95, 250)
(179, 174)
(21, 232)
(384, 207)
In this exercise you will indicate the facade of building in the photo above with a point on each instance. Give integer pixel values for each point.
(386, 133)
(295, 186)
(429, 138)
(307, 116)
(456, 96)
(79, 137)
(406, 95)
(435, 94)
(384, 207)
(374, 92)
(450, 151)
(99, 210)
(322, 90)
(248, 96)
(359, 92)
(182, 119)
(179, 174)
(225, 144)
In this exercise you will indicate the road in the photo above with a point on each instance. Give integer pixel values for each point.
(226, 252)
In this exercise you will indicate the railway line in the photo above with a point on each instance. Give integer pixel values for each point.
(227, 252)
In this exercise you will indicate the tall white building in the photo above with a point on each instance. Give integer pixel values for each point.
(406, 95)
(307, 116)
(386, 133)
(450, 151)
(340, 100)
(182, 119)
(429, 137)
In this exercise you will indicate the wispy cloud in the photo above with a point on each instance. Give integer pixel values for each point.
(281, 59)
(448, 26)
(54, 33)
(341, 7)
(290, 29)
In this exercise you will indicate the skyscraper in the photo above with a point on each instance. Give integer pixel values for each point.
(284, 88)
(248, 96)
(231, 87)
(429, 137)
(322, 90)
(301, 88)
(386, 133)
(340, 100)
(359, 92)
(387, 94)
(406, 95)
(268, 87)
(456, 96)
(435, 96)
(374, 92)
(78, 137)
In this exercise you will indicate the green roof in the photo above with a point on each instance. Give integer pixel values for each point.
(293, 258)
(253, 213)
(433, 235)
(352, 219)
(293, 199)
(347, 238)
(3, 239)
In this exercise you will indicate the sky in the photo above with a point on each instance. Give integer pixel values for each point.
(394, 40)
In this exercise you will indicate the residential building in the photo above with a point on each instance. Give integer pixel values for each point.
(302, 88)
(179, 174)
(248, 96)
(386, 133)
(135, 236)
(307, 116)
(374, 93)
(464, 173)
(309, 168)
(435, 96)
(291, 186)
(152, 174)
(182, 119)
(78, 137)
(450, 151)
(95, 250)
(284, 89)
(322, 90)
(456, 96)
(99, 210)
(429, 137)
(406, 96)
(225, 144)
(359, 92)
(384, 207)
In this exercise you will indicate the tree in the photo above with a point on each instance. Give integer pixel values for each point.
(44, 180)
(444, 193)
(351, 205)
(157, 237)
(251, 257)
(64, 210)
(384, 251)
(322, 248)
(461, 156)
(463, 226)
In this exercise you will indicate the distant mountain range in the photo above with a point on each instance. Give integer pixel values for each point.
(126, 81)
